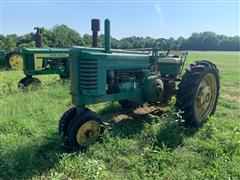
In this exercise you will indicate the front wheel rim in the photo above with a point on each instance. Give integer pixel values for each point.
(33, 86)
(205, 96)
(88, 133)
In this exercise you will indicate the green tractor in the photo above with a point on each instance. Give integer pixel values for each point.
(14, 59)
(40, 61)
(143, 76)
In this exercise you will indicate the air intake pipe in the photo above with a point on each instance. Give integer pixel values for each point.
(95, 26)
(107, 36)
(38, 38)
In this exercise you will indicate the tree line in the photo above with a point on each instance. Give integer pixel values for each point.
(64, 37)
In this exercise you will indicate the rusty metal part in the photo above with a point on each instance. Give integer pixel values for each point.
(170, 90)
(95, 26)
(38, 38)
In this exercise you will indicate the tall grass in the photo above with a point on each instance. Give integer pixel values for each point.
(154, 146)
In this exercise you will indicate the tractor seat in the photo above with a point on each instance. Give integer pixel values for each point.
(171, 58)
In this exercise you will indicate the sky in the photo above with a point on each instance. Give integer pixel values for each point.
(162, 18)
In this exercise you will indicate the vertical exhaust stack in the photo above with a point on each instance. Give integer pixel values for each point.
(95, 26)
(38, 38)
(107, 36)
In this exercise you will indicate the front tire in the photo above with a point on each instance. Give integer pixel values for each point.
(64, 77)
(198, 93)
(21, 83)
(29, 84)
(66, 118)
(84, 129)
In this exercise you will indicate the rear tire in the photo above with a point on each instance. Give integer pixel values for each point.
(14, 60)
(198, 93)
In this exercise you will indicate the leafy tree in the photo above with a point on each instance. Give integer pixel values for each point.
(101, 41)
(114, 43)
(87, 39)
(208, 41)
(10, 42)
(172, 43)
(1, 41)
(180, 43)
(48, 38)
(26, 45)
(148, 42)
(65, 37)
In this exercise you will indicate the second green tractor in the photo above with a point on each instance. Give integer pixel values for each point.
(47, 61)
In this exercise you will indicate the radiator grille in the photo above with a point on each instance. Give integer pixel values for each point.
(88, 70)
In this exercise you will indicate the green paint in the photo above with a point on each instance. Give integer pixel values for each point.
(107, 36)
(93, 72)
(2, 57)
(49, 61)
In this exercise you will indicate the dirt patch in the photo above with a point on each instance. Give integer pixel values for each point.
(232, 85)
(133, 114)
(231, 97)
(121, 117)
(145, 110)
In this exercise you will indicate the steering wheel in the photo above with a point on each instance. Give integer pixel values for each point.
(161, 48)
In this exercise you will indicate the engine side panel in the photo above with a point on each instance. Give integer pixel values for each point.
(98, 76)
(45, 61)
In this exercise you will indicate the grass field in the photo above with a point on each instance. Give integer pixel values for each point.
(141, 146)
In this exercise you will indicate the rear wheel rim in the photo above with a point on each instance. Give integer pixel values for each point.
(88, 133)
(205, 97)
(16, 62)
